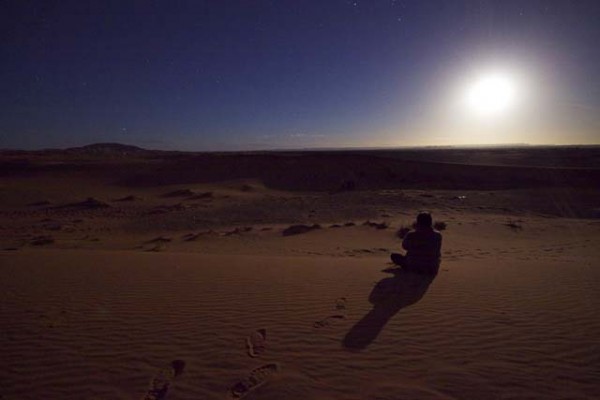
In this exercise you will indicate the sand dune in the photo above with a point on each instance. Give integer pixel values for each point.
(188, 257)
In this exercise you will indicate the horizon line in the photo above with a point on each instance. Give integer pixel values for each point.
(332, 148)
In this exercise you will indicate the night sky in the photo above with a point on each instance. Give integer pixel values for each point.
(235, 75)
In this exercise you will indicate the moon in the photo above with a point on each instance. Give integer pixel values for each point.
(491, 94)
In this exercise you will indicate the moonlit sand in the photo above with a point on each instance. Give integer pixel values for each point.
(117, 261)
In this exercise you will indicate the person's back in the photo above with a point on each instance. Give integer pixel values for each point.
(423, 247)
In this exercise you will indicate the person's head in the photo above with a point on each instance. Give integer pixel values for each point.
(424, 220)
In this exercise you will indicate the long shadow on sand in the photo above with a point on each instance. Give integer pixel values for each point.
(389, 296)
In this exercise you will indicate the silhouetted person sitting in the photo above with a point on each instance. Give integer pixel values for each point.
(423, 247)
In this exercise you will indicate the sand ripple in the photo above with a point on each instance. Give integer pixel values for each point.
(97, 325)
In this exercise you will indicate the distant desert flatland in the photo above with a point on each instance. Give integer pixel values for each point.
(268, 273)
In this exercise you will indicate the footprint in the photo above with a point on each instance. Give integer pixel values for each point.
(258, 377)
(340, 307)
(53, 318)
(329, 320)
(255, 343)
(159, 386)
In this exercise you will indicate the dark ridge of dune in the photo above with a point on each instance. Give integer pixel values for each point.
(299, 229)
(160, 239)
(376, 225)
(313, 171)
(90, 203)
(106, 149)
(201, 196)
(180, 193)
(329, 172)
(42, 240)
(127, 199)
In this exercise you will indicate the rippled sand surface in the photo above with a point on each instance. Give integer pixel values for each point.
(98, 324)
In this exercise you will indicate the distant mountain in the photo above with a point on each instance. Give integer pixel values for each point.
(106, 149)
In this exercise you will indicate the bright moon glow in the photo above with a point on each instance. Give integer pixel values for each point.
(491, 95)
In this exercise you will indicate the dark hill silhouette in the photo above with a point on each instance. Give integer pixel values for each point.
(106, 149)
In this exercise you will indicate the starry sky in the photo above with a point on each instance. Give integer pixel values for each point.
(258, 74)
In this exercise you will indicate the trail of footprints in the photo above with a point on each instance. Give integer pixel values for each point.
(255, 347)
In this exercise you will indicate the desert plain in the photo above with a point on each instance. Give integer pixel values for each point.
(115, 261)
